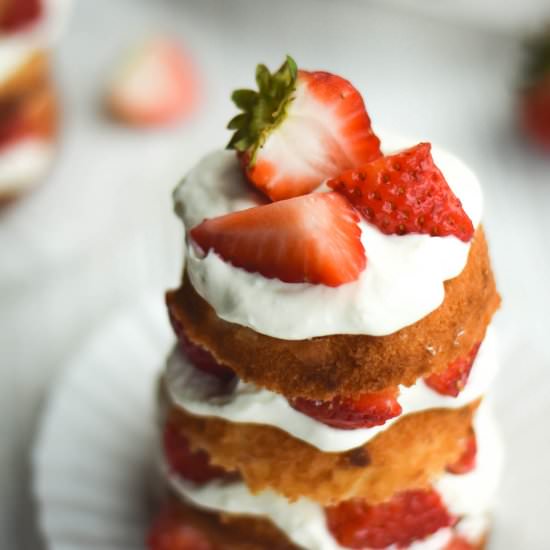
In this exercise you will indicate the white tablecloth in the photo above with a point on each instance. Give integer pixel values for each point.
(100, 230)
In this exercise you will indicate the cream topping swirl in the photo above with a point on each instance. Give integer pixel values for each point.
(402, 283)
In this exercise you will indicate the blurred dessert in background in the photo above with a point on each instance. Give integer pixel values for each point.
(155, 84)
(334, 337)
(28, 98)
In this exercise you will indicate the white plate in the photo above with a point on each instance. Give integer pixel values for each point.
(94, 455)
(93, 461)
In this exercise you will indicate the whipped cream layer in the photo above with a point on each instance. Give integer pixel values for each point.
(17, 48)
(469, 496)
(23, 162)
(402, 283)
(201, 394)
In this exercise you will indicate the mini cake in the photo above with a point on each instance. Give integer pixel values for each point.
(334, 339)
(28, 100)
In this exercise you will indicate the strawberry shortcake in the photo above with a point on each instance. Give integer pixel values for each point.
(28, 100)
(334, 338)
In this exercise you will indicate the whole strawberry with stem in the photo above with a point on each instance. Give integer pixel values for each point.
(534, 105)
(299, 129)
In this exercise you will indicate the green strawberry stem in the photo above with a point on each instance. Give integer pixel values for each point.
(262, 110)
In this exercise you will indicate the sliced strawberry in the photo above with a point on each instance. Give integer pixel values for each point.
(407, 517)
(459, 543)
(15, 15)
(157, 85)
(405, 193)
(313, 239)
(169, 531)
(364, 411)
(192, 465)
(467, 462)
(454, 378)
(299, 129)
(199, 357)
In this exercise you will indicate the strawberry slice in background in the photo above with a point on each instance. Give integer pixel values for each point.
(364, 411)
(170, 532)
(192, 465)
(455, 377)
(534, 103)
(408, 517)
(405, 193)
(16, 15)
(310, 239)
(299, 129)
(157, 85)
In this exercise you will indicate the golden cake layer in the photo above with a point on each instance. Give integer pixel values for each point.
(410, 454)
(323, 367)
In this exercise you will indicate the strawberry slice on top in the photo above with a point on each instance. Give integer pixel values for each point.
(299, 129)
(310, 239)
(406, 193)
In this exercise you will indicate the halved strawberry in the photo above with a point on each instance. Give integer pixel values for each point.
(313, 239)
(169, 531)
(467, 462)
(405, 193)
(157, 85)
(299, 129)
(454, 378)
(365, 411)
(192, 465)
(15, 15)
(406, 518)
(459, 543)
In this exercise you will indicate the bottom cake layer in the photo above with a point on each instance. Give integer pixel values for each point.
(180, 526)
(225, 515)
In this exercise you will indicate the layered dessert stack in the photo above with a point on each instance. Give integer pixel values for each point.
(28, 103)
(334, 339)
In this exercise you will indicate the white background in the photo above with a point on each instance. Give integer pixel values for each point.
(100, 230)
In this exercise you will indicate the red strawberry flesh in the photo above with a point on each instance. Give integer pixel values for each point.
(467, 461)
(459, 543)
(364, 411)
(169, 531)
(193, 465)
(15, 15)
(311, 239)
(405, 193)
(453, 379)
(299, 129)
(406, 518)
